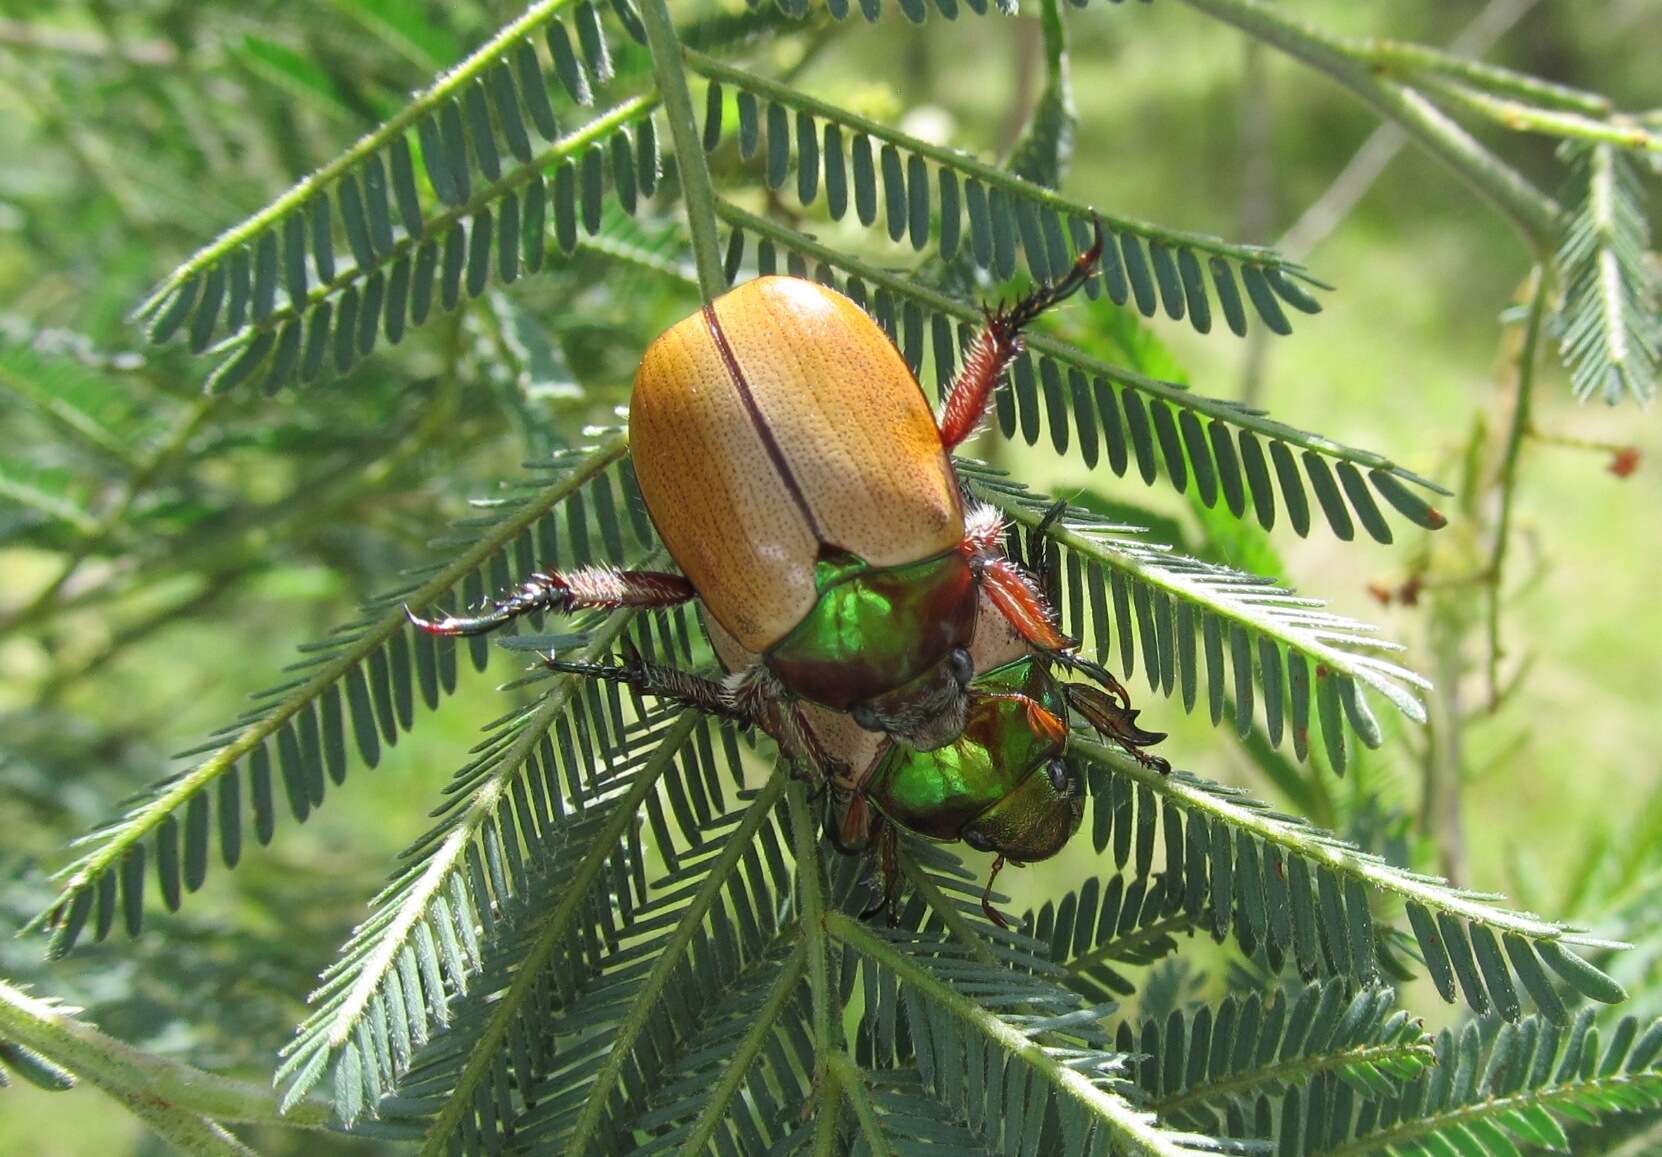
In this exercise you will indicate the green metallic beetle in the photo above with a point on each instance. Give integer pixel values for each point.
(1007, 784)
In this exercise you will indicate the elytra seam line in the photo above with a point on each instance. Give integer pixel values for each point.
(774, 453)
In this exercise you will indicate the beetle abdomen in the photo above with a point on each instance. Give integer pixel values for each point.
(774, 423)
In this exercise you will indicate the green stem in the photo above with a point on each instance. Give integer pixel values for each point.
(451, 83)
(1523, 118)
(852, 1080)
(988, 174)
(746, 1051)
(810, 883)
(700, 195)
(1406, 59)
(555, 932)
(1533, 212)
(620, 1049)
(1297, 1069)
(961, 929)
(1132, 1131)
(173, 1098)
(1527, 357)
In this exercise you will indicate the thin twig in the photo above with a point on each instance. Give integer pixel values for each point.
(696, 189)
(810, 883)
(1344, 60)
(1508, 480)
(182, 1102)
(1385, 142)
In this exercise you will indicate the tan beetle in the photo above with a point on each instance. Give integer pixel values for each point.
(794, 470)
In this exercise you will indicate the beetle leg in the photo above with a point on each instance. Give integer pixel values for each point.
(591, 586)
(672, 684)
(1117, 723)
(851, 822)
(1100, 674)
(1021, 602)
(993, 914)
(758, 691)
(1012, 590)
(888, 854)
(999, 343)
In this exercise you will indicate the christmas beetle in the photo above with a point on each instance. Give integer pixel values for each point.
(792, 467)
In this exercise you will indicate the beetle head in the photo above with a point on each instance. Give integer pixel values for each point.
(927, 712)
(1036, 819)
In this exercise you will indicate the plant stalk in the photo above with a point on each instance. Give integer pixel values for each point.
(1344, 60)
(1528, 355)
(700, 195)
(810, 883)
(173, 1098)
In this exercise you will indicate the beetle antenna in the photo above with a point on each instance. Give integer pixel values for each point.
(994, 914)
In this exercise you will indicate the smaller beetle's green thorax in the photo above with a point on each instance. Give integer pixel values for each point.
(939, 793)
(876, 628)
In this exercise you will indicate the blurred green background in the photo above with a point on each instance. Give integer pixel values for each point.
(121, 157)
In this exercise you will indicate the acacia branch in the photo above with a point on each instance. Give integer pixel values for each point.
(1345, 60)
(696, 188)
(179, 1102)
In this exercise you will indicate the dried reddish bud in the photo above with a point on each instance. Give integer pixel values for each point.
(1383, 594)
(1409, 593)
(1624, 461)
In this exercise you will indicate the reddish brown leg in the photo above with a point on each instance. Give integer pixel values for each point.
(592, 586)
(993, 914)
(998, 345)
(1012, 591)
(1014, 594)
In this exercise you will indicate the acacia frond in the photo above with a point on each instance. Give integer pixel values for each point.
(1279, 882)
(713, 938)
(270, 293)
(1191, 618)
(1006, 1069)
(1208, 445)
(1097, 926)
(55, 374)
(1490, 1092)
(509, 812)
(376, 665)
(1611, 328)
(1212, 1059)
(1147, 264)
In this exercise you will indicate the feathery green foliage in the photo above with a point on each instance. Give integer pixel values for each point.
(622, 931)
(1612, 330)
